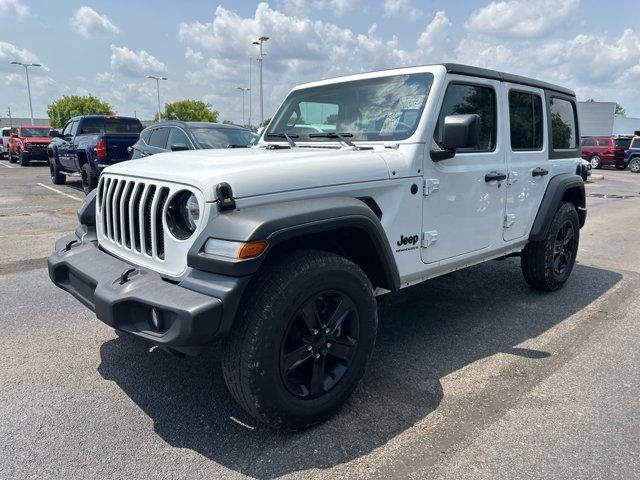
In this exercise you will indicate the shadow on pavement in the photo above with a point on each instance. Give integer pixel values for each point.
(426, 332)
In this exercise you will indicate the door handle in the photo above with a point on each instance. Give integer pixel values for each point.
(491, 176)
(539, 172)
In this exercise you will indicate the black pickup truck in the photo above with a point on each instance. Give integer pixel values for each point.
(89, 143)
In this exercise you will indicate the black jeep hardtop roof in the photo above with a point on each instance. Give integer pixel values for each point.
(459, 69)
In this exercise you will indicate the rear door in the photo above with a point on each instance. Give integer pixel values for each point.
(158, 141)
(464, 213)
(527, 153)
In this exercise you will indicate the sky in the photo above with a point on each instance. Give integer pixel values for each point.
(107, 48)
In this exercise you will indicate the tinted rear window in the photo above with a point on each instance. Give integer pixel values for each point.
(563, 124)
(111, 125)
(622, 142)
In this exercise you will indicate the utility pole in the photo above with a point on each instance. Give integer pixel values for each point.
(250, 87)
(10, 119)
(157, 79)
(259, 42)
(26, 70)
(243, 89)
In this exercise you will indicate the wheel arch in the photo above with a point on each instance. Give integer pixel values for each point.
(343, 225)
(561, 188)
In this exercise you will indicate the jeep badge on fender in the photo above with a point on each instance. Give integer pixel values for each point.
(281, 274)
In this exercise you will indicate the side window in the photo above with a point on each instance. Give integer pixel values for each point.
(145, 135)
(525, 120)
(563, 124)
(635, 143)
(66, 131)
(589, 143)
(465, 99)
(603, 143)
(74, 128)
(177, 135)
(158, 138)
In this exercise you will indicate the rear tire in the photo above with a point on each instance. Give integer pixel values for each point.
(596, 161)
(620, 166)
(12, 158)
(302, 340)
(57, 177)
(547, 264)
(89, 179)
(634, 165)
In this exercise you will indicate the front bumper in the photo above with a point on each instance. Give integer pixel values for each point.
(189, 319)
(35, 154)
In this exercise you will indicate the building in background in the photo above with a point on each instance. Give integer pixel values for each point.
(17, 122)
(598, 119)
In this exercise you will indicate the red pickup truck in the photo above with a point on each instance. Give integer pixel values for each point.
(29, 143)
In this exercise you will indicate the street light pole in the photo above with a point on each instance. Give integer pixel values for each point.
(259, 42)
(157, 79)
(26, 70)
(243, 89)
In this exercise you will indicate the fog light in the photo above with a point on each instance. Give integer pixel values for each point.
(156, 319)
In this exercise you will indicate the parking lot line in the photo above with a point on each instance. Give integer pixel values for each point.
(6, 165)
(58, 191)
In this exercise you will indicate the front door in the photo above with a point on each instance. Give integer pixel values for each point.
(464, 195)
(527, 157)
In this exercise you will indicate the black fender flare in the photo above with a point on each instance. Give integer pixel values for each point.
(553, 195)
(278, 222)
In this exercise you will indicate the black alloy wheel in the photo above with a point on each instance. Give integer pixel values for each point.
(319, 344)
(563, 248)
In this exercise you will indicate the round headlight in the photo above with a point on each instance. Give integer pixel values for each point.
(183, 215)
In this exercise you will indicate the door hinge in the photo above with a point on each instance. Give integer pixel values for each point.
(429, 238)
(509, 220)
(430, 186)
(512, 178)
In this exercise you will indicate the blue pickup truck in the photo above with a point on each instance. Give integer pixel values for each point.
(89, 143)
(633, 154)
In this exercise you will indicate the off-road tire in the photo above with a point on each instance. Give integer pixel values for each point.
(537, 260)
(89, 179)
(620, 166)
(57, 177)
(634, 165)
(12, 158)
(252, 351)
(596, 161)
(24, 161)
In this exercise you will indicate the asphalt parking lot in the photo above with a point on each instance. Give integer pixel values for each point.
(474, 375)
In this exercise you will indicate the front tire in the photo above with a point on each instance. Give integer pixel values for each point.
(12, 158)
(634, 165)
(24, 161)
(57, 177)
(89, 179)
(596, 161)
(547, 264)
(302, 340)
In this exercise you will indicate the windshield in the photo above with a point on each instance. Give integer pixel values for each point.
(210, 137)
(34, 132)
(97, 125)
(384, 108)
(622, 142)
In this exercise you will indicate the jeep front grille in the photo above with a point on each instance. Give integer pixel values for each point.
(130, 216)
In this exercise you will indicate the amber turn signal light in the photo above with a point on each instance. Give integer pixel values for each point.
(252, 249)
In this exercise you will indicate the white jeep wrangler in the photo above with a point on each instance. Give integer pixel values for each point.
(360, 186)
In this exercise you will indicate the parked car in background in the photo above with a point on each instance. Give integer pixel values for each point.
(5, 135)
(585, 172)
(601, 151)
(30, 143)
(175, 135)
(633, 155)
(89, 143)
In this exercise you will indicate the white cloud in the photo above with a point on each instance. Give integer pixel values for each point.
(134, 64)
(521, 18)
(435, 38)
(337, 7)
(9, 53)
(402, 7)
(14, 7)
(91, 24)
(193, 55)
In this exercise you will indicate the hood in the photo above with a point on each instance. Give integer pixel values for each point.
(258, 171)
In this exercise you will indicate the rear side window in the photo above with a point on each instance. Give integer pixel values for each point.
(563, 124)
(158, 138)
(622, 142)
(589, 143)
(603, 143)
(145, 135)
(525, 120)
(469, 99)
(635, 143)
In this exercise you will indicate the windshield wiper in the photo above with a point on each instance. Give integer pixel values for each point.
(231, 145)
(339, 136)
(287, 136)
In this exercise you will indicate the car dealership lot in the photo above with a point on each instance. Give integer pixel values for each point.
(474, 375)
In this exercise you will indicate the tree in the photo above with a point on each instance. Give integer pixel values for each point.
(619, 110)
(67, 107)
(189, 111)
(266, 122)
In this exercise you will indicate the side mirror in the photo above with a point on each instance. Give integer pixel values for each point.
(177, 147)
(460, 131)
(54, 133)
